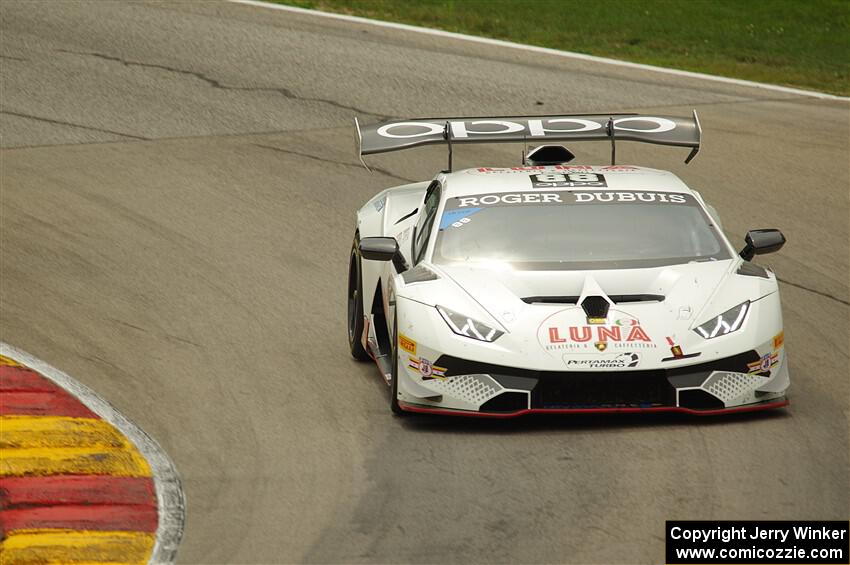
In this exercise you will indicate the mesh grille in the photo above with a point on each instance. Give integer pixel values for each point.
(729, 386)
(475, 389)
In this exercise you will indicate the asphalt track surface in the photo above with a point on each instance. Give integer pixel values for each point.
(178, 197)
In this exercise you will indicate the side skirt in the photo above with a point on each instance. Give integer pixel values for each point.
(370, 344)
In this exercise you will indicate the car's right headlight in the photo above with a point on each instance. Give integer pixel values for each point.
(467, 327)
(726, 323)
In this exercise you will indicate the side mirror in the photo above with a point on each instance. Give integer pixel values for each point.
(383, 249)
(760, 242)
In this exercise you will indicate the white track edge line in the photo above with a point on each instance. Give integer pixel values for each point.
(546, 50)
(171, 501)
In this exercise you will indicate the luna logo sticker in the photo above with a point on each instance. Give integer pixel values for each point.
(407, 344)
(568, 331)
(603, 334)
(425, 368)
(568, 180)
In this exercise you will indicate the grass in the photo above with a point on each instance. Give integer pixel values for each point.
(799, 43)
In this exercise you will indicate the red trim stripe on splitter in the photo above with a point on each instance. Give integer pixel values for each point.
(625, 410)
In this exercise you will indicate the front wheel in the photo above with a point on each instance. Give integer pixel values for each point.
(355, 305)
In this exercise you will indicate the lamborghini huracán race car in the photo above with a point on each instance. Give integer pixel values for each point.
(553, 287)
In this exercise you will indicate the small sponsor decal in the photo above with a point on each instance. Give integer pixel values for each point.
(532, 168)
(425, 368)
(597, 321)
(509, 198)
(568, 180)
(560, 195)
(677, 352)
(457, 218)
(609, 361)
(619, 168)
(601, 345)
(559, 168)
(611, 196)
(779, 340)
(407, 344)
(764, 364)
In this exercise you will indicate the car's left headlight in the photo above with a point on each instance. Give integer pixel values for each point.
(726, 323)
(467, 327)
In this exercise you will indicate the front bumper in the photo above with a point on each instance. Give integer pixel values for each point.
(480, 389)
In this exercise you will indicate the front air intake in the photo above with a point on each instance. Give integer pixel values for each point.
(507, 402)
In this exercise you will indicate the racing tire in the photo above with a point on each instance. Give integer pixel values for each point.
(355, 304)
(394, 405)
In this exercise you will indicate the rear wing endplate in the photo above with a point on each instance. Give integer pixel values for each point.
(659, 130)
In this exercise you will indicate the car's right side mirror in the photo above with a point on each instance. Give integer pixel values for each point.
(760, 242)
(383, 249)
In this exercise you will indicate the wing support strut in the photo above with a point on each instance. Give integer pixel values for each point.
(695, 150)
(448, 135)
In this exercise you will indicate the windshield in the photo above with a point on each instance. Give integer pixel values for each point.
(577, 230)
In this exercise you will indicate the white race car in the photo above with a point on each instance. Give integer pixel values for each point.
(553, 287)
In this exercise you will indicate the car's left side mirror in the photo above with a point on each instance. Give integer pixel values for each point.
(760, 242)
(383, 249)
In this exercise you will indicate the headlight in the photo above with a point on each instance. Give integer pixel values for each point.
(726, 323)
(466, 326)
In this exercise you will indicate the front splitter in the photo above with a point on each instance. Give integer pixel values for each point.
(602, 410)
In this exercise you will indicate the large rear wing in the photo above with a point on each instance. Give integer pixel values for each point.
(660, 130)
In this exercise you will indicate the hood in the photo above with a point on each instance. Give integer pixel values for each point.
(508, 294)
(649, 314)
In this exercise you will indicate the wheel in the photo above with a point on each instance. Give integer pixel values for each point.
(355, 304)
(394, 406)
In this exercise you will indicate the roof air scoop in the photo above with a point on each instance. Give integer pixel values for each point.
(548, 155)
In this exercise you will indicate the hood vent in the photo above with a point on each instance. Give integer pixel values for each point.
(550, 299)
(595, 307)
(420, 273)
(615, 298)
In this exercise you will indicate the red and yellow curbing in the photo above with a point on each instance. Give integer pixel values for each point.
(73, 488)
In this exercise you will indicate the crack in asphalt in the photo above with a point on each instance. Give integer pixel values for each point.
(335, 162)
(147, 331)
(814, 291)
(215, 83)
(13, 58)
(73, 125)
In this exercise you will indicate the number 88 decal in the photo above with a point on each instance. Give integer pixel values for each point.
(552, 180)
